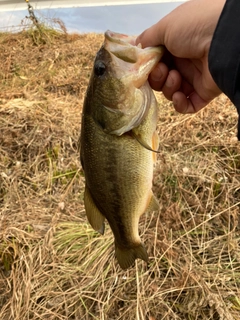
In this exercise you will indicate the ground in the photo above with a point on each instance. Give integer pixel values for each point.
(52, 264)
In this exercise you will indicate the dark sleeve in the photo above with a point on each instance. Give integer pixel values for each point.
(224, 54)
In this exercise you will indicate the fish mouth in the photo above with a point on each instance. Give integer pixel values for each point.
(140, 62)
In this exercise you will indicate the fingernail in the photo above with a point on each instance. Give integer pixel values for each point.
(169, 82)
(155, 78)
(156, 75)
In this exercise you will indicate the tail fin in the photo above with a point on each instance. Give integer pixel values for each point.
(127, 256)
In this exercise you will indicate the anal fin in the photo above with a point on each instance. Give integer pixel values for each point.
(95, 218)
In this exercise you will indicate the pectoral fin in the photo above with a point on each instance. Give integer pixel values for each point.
(95, 218)
(143, 143)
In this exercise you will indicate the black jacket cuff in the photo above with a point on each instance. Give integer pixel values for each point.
(224, 54)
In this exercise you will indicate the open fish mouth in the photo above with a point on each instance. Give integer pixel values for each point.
(140, 61)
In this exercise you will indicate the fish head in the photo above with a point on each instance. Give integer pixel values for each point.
(119, 92)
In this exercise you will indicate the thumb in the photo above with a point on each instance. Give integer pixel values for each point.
(153, 36)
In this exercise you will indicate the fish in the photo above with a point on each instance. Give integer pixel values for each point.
(119, 141)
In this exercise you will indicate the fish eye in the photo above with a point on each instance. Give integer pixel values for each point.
(99, 68)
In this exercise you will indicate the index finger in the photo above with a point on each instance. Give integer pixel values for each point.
(153, 36)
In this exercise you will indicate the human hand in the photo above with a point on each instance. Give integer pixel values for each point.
(187, 34)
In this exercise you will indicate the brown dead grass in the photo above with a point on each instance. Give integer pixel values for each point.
(53, 265)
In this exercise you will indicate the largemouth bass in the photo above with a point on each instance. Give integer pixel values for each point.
(118, 134)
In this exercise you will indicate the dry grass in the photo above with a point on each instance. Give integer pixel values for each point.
(53, 265)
